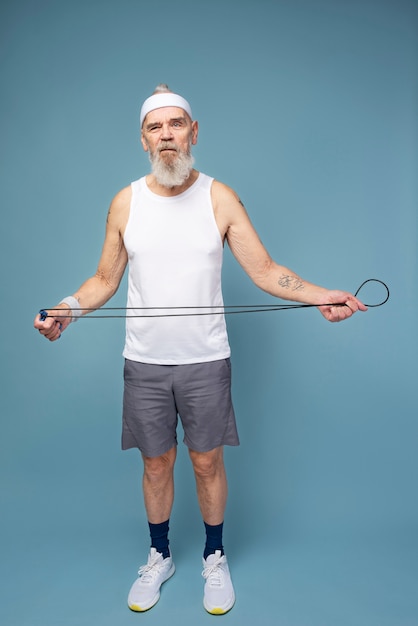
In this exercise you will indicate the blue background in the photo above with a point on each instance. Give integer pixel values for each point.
(309, 110)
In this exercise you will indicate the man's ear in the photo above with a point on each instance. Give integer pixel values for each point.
(144, 142)
(195, 132)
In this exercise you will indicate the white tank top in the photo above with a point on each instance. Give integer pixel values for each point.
(175, 259)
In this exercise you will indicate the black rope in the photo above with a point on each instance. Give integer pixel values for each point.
(202, 310)
(375, 280)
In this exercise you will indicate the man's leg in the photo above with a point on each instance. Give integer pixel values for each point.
(158, 488)
(212, 491)
(211, 484)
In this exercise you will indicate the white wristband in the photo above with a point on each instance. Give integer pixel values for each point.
(74, 305)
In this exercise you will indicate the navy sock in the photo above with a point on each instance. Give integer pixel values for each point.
(159, 537)
(213, 539)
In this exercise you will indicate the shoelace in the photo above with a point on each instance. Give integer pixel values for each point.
(213, 573)
(148, 572)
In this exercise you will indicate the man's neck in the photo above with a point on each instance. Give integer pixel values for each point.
(160, 190)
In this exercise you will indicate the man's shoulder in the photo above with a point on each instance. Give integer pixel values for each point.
(119, 208)
(123, 196)
(222, 193)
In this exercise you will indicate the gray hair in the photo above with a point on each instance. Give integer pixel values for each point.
(162, 88)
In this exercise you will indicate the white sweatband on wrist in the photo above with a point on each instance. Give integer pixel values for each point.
(74, 305)
(160, 100)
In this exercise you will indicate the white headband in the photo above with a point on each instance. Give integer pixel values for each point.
(159, 100)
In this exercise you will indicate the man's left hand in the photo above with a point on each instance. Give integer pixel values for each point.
(340, 306)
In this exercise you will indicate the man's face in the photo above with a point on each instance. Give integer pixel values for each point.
(168, 132)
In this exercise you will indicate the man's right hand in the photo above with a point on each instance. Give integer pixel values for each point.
(53, 325)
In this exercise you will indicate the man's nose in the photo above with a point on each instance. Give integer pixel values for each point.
(166, 132)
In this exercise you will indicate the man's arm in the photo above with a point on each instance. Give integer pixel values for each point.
(98, 289)
(278, 280)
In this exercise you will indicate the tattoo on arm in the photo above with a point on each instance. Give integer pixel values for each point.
(294, 283)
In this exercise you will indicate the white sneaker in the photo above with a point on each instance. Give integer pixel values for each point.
(145, 592)
(219, 596)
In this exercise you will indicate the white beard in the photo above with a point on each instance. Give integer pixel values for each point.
(171, 173)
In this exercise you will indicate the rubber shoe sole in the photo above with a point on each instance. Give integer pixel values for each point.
(217, 610)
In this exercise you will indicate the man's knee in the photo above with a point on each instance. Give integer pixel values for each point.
(158, 467)
(207, 464)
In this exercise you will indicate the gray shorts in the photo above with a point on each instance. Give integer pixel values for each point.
(155, 395)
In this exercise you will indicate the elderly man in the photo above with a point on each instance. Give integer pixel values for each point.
(169, 227)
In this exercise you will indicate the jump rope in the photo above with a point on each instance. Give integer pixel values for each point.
(185, 311)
